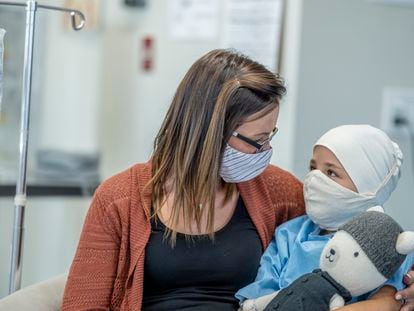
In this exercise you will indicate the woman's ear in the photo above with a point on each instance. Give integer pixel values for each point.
(405, 243)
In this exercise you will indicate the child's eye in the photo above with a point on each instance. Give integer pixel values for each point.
(331, 173)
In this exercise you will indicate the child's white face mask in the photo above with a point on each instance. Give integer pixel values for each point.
(331, 205)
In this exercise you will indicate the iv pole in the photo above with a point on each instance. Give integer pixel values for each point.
(20, 198)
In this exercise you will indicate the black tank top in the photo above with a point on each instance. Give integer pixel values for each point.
(201, 274)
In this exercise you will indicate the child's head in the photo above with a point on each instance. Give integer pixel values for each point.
(353, 168)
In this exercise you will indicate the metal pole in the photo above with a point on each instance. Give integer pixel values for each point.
(20, 198)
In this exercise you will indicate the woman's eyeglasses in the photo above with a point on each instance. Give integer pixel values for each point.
(258, 144)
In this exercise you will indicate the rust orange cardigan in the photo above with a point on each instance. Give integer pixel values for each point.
(107, 272)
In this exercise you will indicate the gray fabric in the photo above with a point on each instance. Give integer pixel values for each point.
(377, 234)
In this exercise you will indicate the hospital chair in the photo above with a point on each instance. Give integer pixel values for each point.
(44, 296)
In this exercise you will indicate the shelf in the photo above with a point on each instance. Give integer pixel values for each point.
(9, 190)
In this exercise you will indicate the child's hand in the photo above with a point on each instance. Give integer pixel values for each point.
(257, 304)
(248, 305)
(408, 293)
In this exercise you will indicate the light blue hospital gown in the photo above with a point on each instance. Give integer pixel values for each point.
(295, 250)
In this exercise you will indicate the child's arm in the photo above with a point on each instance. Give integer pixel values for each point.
(383, 300)
(275, 257)
(272, 263)
(267, 279)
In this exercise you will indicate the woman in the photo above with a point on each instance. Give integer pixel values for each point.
(208, 186)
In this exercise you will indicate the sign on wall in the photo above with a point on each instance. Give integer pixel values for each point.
(193, 19)
(254, 27)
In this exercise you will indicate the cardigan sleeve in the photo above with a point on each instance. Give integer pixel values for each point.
(93, 271)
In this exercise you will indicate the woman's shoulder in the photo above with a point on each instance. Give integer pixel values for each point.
(123, 185)
(285, 191)
(282, 185)
(116, 203)
(275, 175)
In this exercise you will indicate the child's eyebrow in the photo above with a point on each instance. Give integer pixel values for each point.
(328, 164)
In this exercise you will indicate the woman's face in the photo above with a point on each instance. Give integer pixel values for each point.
(324, 160)
(256, 129)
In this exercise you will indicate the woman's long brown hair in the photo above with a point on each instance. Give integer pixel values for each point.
(220, 90)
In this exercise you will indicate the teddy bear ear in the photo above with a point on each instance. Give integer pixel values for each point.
(405, 243)
(376, 209)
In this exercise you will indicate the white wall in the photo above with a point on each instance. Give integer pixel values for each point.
(350, 51)
(284, 154)
(134, 102)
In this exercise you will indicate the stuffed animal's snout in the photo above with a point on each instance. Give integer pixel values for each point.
(331, 256)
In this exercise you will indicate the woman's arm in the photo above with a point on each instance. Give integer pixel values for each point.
(383, 300)
(93, 271)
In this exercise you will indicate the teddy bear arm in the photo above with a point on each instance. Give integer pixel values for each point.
(336, 302)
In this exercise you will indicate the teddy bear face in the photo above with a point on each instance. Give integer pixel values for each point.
(349, 265)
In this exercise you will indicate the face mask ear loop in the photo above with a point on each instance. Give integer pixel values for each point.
(393, 170)
(387, 178)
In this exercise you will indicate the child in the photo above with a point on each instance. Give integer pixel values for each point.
(354, 168)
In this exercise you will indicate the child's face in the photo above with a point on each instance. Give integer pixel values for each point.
(324, 160)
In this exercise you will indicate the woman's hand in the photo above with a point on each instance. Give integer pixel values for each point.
(383, 300)
(407, 294)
